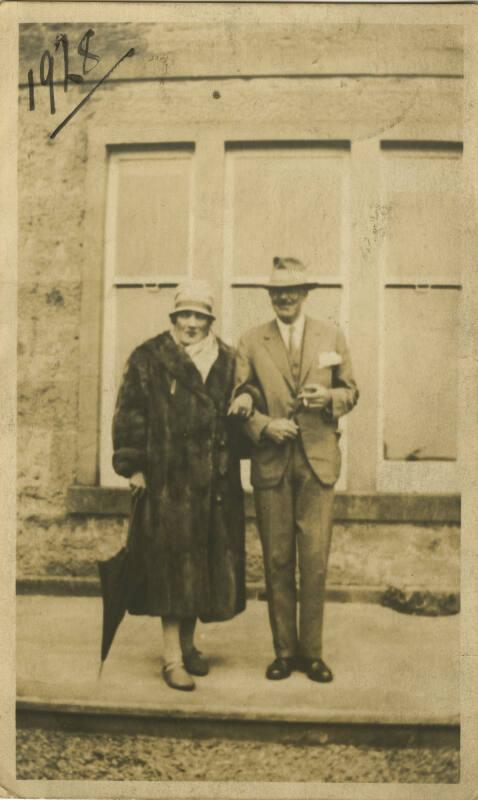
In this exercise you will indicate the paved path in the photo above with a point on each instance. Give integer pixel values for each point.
(389, 667)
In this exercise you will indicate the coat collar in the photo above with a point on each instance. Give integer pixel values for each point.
(176, 361)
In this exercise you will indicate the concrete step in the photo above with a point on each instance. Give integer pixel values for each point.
(87, 586)
(396, 677)
(417, 599)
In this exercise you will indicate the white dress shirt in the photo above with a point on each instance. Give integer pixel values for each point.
(284, 330)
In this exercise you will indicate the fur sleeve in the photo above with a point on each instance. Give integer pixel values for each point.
(130, 421)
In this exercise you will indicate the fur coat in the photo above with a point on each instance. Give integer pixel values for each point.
(173, 427)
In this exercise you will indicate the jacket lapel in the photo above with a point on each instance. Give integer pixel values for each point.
(274, 344)
(310, 349)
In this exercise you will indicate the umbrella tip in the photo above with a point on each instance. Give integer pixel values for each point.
(100, 670)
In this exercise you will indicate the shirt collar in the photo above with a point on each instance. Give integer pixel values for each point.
(298, 328)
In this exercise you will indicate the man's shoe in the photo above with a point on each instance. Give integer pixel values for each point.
(317, 670)
(280, 668)
(177, 678)
(195, 663)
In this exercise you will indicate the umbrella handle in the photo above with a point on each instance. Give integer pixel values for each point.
(136, 496)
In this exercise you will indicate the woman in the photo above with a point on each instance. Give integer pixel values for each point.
(173, 439)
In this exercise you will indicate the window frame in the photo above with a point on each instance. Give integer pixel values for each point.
(114, 283)
(328, 149)
(101, 142)
(438, 476)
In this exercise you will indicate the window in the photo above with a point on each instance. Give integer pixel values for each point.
(285, 199)
(421, 269)
(148, 251)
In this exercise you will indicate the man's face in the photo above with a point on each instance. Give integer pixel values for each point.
(288, 302)
(191, 326)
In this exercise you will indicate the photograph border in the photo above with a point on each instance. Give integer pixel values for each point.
(11, 15)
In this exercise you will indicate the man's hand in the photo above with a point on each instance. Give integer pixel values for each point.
(242, 406)
(137, 482)
(314, 395)
(280, 430)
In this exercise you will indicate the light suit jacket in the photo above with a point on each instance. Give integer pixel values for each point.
(263, 363)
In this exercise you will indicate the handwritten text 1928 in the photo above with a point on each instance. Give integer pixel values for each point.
(47, 72)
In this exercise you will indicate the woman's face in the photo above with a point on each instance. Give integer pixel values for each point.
(191, 326)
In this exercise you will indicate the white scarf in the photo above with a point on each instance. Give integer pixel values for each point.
(203, 354)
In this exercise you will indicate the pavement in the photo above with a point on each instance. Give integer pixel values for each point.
(390, 668)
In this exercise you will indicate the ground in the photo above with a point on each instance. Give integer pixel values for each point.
(54, 755)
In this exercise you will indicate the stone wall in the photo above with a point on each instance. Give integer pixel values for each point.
(50, 247)
(363, 555)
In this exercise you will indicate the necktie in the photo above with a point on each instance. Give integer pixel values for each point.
(294, 353)
(291, 340)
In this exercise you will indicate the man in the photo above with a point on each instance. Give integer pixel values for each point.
(298, 374)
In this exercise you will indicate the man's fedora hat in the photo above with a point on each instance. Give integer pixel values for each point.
(194, 296)
(289, 273)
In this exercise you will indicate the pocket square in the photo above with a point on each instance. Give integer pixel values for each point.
(331, 359)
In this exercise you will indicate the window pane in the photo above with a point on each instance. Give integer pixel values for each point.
(422, 214)
(140, 314)
(286, 201)
(153, 214)
(252, 307)
(420, 374)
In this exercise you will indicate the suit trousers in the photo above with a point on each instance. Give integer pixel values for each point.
(296, 517)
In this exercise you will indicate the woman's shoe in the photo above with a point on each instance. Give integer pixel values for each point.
(195, 663)
(177, 678)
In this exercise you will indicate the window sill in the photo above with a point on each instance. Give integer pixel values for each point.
(357, 507)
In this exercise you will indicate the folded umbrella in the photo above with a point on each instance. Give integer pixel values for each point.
(115, 580)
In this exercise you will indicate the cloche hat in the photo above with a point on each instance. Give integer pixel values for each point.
(194, 295)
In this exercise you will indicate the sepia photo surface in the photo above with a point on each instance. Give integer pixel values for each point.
(219, 201)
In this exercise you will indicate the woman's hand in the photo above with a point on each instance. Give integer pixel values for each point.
(137, 482)
(242, 406)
